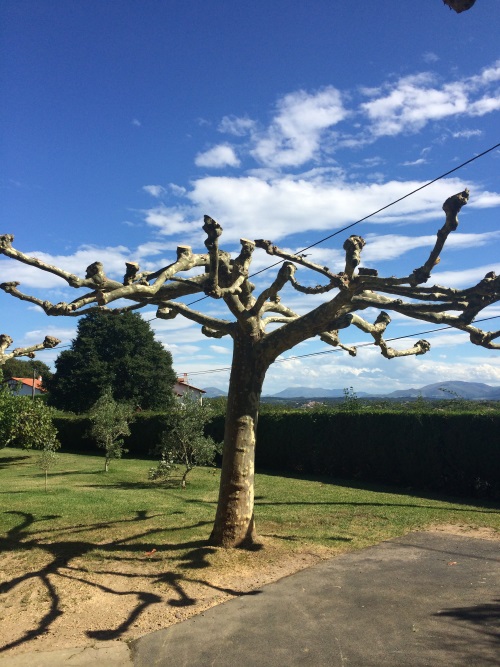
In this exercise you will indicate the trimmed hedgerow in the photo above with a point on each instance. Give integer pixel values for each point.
(457, 453)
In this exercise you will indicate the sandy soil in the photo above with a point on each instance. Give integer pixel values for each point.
(49, 606)
(78, 602)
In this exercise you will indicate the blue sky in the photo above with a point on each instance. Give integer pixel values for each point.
(123, 122)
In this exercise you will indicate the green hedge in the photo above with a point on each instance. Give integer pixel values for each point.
(454, 453)
(145, 431)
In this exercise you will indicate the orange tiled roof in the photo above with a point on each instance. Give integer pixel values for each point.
(29, 382)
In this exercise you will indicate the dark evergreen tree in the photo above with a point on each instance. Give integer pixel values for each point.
(116, 350)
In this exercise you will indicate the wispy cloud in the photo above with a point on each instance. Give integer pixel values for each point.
(154, 190)
(412, 101)
(414, 163)
(430, 57)
(294, 135)
(466, 134)
(238, 127)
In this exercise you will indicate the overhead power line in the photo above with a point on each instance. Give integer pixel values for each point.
(370, 215)
(339, 231)
(336, 349)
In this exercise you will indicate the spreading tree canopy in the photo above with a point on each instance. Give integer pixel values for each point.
(116, 350)
(262, 327)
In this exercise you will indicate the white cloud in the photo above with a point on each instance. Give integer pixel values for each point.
(294, 136)
(218, 349)
(411, 102)
(391, 246)
(465, 277)
(136, 122)
(154, 190)
(251, 207)
(217, 157)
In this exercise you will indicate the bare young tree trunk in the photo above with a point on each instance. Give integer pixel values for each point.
(234, 522)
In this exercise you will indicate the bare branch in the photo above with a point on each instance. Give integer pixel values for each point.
(377, 330)
(6, 341)
(49, 308)
(277, 319)
(171, 309)
(237, 273)
(94, 276)
(213, 230)
(285, 273)
(332, 338)
(141, 290)
(271, 249)
(353, 247)
(213, 333)
(451, 207)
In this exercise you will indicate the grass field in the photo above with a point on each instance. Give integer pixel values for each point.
(308, 511)
(131, 541)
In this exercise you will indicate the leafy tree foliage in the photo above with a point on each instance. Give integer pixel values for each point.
(45, 461)
(8, 415)
(110, 423)
(17, 368)
(26, 423)
(184, 443)
(113, 350)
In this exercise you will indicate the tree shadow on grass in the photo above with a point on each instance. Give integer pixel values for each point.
(6, 461)
(64, 550)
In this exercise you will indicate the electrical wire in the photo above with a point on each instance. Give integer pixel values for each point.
(336, 349)
(336, 233)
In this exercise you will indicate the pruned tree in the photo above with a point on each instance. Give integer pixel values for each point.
(6, 341)
(256, 344)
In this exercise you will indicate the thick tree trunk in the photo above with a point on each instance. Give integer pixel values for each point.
(234, 522)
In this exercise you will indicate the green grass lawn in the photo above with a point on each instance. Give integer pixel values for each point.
(106, 556)
(105, 507)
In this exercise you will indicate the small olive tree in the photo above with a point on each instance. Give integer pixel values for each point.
(45, 461)
(184, 443)
(110, 424)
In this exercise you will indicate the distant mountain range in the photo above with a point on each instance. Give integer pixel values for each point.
(214, 392)
(438, 390)
(312, 392)
(452, 389)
